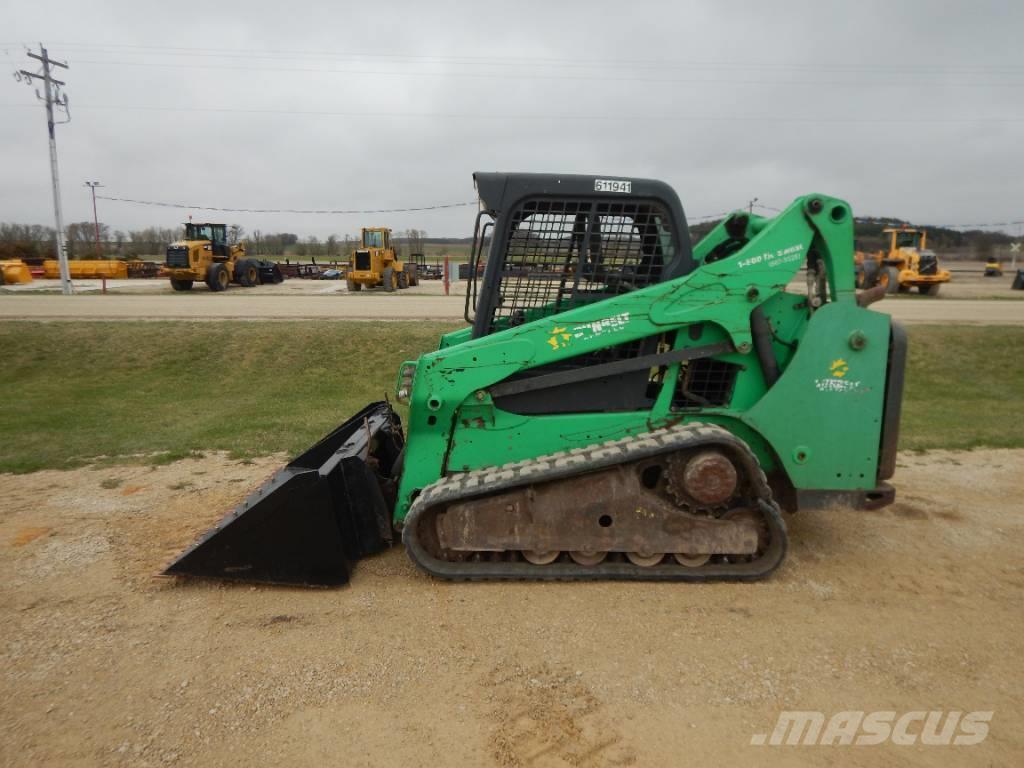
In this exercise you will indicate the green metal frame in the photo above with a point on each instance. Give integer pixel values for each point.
(819, 424)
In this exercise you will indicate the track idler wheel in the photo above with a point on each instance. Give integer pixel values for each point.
(645, 560)
(691, 561)
(588, 558)
(540, 558)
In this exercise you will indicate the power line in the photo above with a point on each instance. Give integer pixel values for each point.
(265, 53)
(285, 210)
(880, 220)
(709, 216)
(887, 83)
(526, 117)
(986, 225)
(53, 97)
(331, 211)
(438, 207)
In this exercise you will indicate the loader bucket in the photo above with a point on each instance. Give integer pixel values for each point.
(315, 517)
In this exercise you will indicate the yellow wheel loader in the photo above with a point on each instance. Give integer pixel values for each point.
(908, 263)
(205, 254)
(376, 264)
(993, 268)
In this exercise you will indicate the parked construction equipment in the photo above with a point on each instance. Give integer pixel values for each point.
(17, 271)
(621, 405)
(97, 269)
(375, 263)
(88, 269)
(312, 270)
(205, 254)
(14, 271)
(993, 268)
(425, 271)
(908, 263)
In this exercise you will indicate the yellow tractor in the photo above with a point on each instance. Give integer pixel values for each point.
(908, 263)
(375, 263)
(205, 254)
(993, 268)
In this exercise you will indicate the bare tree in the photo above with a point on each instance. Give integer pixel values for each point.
(313, 245)
(416, 240)
(81, 238)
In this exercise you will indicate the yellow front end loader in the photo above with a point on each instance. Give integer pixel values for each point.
(907, 264)
(205, 254)
(375, 263)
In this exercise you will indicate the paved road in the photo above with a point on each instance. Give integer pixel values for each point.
(233, 306)
(242, 305)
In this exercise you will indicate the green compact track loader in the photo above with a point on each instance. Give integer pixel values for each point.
(621, 404)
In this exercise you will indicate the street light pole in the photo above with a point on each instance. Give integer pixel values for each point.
(95, 219)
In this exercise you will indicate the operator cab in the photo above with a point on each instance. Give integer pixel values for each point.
(376, 238)
(559, 242)
(905, 238)
(215, 233)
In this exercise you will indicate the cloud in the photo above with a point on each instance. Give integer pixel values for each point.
(911, 109)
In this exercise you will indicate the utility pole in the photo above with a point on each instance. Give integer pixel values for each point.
(750, 205)
(95, 219)
(53, 97)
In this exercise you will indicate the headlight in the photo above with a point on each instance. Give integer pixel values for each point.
(406, 372)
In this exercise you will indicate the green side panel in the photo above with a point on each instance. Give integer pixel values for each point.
(824, 415)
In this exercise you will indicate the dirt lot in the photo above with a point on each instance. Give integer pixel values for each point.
(967, 283)
(917, 607)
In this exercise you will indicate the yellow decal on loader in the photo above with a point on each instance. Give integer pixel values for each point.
(559, 338)
(839, 368)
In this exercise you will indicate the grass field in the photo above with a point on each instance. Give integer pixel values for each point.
(74, 392)
(77, 393)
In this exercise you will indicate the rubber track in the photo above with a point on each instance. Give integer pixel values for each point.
(580, 460)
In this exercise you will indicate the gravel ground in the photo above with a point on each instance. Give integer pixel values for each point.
(966, 300)
(916, 607)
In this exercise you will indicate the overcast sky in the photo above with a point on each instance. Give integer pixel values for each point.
(911, 109)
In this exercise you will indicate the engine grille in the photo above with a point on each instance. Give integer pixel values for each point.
(362, 259)
(560, 254)
(177, 257)
(928, 263)
(704, 383)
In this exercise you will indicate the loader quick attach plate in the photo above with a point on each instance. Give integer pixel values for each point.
(315, 517)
